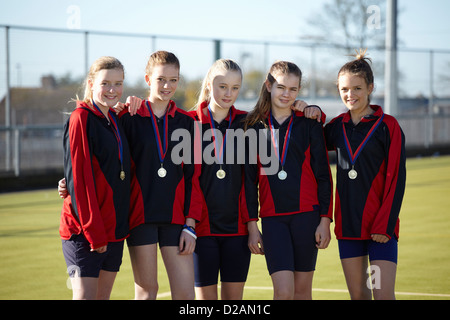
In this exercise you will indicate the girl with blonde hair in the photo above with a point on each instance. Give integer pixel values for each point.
(223, 230)
(95, 217)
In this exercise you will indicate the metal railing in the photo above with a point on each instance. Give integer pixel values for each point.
(27, 145)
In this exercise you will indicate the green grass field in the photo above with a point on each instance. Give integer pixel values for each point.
(32, 266)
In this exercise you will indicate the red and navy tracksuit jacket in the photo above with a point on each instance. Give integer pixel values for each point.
(99, 201)
(369, 204)
(160, 200)
(308, 186)
(224, 211)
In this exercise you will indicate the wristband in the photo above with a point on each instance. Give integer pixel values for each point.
(189, 232)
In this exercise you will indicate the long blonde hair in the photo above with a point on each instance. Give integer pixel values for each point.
(102, 63)
(263, 106)
(218, 65)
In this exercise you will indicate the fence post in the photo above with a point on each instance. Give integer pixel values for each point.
(391, 86)
(217, 49)
(17, 152)
(86, 51)
(430, 133)
(8, 104)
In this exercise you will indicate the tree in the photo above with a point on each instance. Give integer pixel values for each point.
(349, 24)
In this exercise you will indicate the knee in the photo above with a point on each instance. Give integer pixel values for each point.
(186, 294)
(361, 294)
(283, 294)
(146, 291)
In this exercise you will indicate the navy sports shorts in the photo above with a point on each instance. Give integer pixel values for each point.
(290, 243)
(228, 255)
(376, 251)
(167, 235)
(83, 262)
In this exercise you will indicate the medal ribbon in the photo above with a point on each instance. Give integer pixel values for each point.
(162, 146)
(287, 137)
(222, 147)
(115, 130)
(354, 156)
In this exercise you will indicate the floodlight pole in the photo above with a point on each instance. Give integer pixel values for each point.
(217, 49)
(391, 84)
(8, 104)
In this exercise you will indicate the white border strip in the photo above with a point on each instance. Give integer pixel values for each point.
(167, 294)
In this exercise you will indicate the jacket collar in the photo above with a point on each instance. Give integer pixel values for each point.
(86, 105)
(144, 112)
(204, 118)
(378, 113)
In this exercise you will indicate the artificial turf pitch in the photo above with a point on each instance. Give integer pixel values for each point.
(32, 266)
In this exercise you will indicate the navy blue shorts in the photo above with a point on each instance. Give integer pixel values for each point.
(376, 251)
(83, 262)
(290, 243)
(167, 235)
(229, 255)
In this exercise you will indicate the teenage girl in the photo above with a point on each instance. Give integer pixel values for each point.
(295, 202)
(371, 176)
(223, 230)
(166, 210)
(95, 217)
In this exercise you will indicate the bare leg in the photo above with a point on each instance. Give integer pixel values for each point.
(206, 293)
(144, 263)
(385, 289)
(303, 285)
(105, 284)
(283, 285)
(180, 270)
(232, 290)
(84, 288)
(355, 271)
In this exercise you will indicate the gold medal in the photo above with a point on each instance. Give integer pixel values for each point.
(122, 175)
(220, 174)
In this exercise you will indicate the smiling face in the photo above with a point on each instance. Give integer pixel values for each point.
(225, 89)
(354, 92)
(107, 87)
(163, 82)
(283, 91)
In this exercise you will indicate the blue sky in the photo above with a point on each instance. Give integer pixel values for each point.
(421, 25)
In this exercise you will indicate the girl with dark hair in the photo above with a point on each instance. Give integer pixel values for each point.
(295, 202)
(371, 177)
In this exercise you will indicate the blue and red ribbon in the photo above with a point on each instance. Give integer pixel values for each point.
(162, 146)
(287, 137)
(354, 156)
(218, 155)
(116, 131)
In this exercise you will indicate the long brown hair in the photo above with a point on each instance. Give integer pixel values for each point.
(263, 106)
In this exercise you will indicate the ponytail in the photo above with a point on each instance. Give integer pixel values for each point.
(359, 66)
